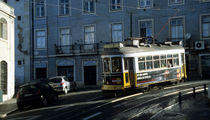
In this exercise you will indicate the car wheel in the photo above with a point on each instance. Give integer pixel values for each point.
(65, 90)
(44, 102)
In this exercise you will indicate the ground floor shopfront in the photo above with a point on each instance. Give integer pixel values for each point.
(84, 70)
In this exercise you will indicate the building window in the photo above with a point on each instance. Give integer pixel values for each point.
(89, 6)
(145, 3)
(146, 28)
(115, 5)
(175, 2)
(117, 32)
(89, 34)
(65, 36)
(177, 29)
(40, 8)
(64, 7)
(205, 0)
(40, 39)
(3, 28)
(205, 27)
(3, 77)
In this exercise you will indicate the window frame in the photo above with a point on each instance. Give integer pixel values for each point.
(201, 27)
(3, 29)
(35, 10)
(203, 1)
(89, 7)
(184, 26)
(70, 35)
(146, 20)
(64, 4)
(109, 65)
(143, 61)
(116, 9)
(4, 76)
(176, 3)
(94, 40)
(35, 41)
(122, 30)
(145, 6)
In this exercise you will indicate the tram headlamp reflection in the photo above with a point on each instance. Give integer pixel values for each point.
(107, 83)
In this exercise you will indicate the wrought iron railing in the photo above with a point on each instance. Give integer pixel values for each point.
(77, 48)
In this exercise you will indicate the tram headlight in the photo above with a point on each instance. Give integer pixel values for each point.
(107, 83)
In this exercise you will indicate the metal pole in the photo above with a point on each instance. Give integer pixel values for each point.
(205, 89)
(193, 92)
(131, 22)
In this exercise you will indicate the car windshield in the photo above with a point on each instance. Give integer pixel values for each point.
(28, 89)
(56, 80)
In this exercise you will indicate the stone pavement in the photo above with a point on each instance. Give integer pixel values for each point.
(190, 109)
(7, 107)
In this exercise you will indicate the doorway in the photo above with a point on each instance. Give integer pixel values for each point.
(90, 75)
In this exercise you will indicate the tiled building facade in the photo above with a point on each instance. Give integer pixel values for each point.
(67, 35)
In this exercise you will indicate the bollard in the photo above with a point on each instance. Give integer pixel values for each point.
(180, 98)
(209, 92)
(204, 87)
(193, 92)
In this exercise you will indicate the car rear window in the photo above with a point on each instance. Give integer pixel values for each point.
(56, 80)
(28, 89)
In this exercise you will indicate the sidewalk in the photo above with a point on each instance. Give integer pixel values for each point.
(191, 109)
(7, 107)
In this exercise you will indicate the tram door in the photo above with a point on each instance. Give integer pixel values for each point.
(129, 72)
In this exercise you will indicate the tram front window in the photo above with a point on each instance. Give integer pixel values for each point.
(116, 64)
(106, 62)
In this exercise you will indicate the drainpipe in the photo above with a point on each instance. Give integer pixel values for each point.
(32, 42)
(131, 28)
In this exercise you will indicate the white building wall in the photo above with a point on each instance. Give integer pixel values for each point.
(7, 52)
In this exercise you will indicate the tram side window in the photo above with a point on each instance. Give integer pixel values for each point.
(183, 62)
(149, 62)
(176, 60)
(116, 65)
(106, 63)
(126, 63)
(163, 61)
(141, 61)
(156, 61)
(169, 61)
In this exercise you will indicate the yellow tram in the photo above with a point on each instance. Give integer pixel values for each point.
(132, 64)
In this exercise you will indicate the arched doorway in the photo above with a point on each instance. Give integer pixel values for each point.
(3, 77)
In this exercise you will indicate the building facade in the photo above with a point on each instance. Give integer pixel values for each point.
(7, 73)
(67, 35)
(22, 40)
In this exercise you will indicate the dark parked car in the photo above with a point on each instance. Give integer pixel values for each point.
(35, 93)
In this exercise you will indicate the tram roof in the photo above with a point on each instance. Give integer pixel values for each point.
(142, 49)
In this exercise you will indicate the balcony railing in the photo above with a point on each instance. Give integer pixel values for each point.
(77, 48)
(64, 49)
